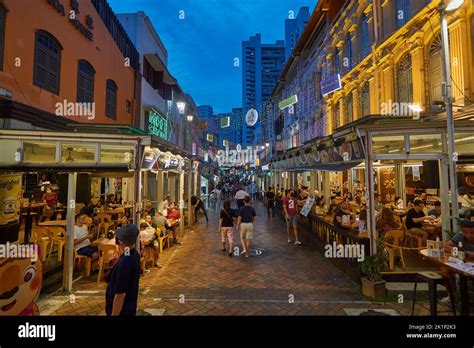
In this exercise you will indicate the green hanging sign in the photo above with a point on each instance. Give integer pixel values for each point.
(157, 124)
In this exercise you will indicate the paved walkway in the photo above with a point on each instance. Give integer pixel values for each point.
(197, 278)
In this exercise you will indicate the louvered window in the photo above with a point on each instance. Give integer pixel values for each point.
(111, 99)
(404, 79)
(47, 62)
(365, 100)
(436, 70)
(85, 82)
(348, 112)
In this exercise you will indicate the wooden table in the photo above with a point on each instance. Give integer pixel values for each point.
(463, 275)
(104, 241)
(62, 223)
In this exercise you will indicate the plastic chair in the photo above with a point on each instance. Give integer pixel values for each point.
(162, 238)
(105, 221)
(42, 237)
(58, 235)
(410, 238)
(120, 212)
(106, 253)
(80, 258)
(394, 247)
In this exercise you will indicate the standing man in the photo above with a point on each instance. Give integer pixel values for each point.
(245, 224)
(50, 198)
(291, 215)
(270, 200)
(198, 204)
(239, 197)
(121, 296)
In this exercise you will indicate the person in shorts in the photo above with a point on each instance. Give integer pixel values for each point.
(226, 226)
(82, 243)
(291, 216)
(245, 223)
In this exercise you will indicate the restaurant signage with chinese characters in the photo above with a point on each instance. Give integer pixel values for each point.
(84, 29)
(157, 125)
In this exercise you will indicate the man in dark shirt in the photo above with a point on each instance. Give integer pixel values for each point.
(87, 209)
(270, 197)
(414, 219)
(198, 204)
(245, 224)
(121, 296)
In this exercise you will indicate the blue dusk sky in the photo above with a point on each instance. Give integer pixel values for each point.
(202, 46)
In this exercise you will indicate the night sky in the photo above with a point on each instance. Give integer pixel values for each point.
(202, 46)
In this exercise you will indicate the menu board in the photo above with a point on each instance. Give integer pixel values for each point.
(307, 206)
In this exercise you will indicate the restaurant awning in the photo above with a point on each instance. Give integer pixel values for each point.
(27, 151)
(332, 155)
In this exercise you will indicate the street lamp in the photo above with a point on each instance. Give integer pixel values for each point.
(444, 8)
(190, 118)
(267, 144)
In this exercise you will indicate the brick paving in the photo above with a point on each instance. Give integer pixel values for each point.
(197, 278)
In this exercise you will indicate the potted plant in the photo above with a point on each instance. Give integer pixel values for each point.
(372, 284)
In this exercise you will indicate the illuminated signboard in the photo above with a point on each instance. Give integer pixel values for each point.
(225, 122)
(288, 101)
(157, 125)
(150, 157)
(251, 117)
(331, 84)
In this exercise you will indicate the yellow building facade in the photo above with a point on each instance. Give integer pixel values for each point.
(403, 62)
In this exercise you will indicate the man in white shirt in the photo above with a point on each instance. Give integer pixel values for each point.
(239, 197)
(82, 243)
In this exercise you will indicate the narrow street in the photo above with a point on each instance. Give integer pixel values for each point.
(198, 278)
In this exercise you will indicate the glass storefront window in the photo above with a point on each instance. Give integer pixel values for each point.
(39, 152)
(116, 154)
(425, 143)
(464, 143)
(11, 151)
(77, 153)
(388, 144)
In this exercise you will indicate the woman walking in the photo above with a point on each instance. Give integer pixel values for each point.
(226, 226)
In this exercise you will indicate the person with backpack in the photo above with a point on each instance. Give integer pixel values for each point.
(226, 226)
